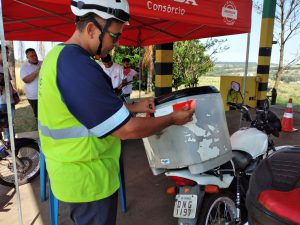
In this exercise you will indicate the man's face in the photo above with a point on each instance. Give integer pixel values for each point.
(32, 57)
(126, 64)
(107, 64)
(110, 39)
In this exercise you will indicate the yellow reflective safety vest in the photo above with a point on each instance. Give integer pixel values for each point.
(81, 167)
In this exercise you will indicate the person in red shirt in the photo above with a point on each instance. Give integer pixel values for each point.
(129, 75)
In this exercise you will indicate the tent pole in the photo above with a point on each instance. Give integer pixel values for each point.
(9, 114)
(140, 73)
(246, 72)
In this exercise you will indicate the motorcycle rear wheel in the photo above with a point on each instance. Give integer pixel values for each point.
(218, 209)
(28, 153)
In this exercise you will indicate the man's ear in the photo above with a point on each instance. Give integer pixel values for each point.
(91, 30)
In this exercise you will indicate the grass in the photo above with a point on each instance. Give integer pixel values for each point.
(24, 117)
(284, 92)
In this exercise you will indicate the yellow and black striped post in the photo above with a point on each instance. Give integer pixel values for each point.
(265, 49)
(163, 69)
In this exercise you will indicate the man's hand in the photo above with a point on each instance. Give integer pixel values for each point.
(38, 70)
(145, 106)
(138, 127)
(30, 77)
(182, 116)
(123, 84)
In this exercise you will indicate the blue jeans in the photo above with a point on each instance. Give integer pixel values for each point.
(3, 108)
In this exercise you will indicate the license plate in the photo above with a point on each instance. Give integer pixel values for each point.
(185, 206)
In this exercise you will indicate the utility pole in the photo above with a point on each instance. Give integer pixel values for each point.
(265, 49)
(163, 69)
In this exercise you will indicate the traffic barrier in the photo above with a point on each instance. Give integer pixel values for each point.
(287, 122)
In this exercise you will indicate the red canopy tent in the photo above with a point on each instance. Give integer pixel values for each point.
(152, 21)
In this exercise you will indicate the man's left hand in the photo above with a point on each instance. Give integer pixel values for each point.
(145, 106)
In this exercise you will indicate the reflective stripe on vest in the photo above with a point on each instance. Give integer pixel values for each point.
(81, 131)
(72, 132)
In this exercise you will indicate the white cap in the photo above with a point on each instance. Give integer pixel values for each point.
(106, 9)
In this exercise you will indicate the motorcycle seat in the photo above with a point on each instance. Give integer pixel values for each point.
(273, 195)
(241, 159)
(282, 203)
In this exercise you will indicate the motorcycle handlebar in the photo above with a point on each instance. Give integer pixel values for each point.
(233, 104)
(244, 109)
(239, 105)
(261, 121)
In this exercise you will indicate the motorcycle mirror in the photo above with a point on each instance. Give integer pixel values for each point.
(235, 86)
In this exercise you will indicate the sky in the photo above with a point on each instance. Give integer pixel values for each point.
(237, 46)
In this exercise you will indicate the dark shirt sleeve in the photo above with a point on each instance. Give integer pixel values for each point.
(88, 93)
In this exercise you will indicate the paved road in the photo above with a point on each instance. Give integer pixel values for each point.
(147, 201)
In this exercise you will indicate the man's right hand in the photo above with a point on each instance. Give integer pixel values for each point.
(139, 127)
(30, 77)
(183, 115)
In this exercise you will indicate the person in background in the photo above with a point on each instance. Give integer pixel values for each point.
(13, 94)
(81, 120)
(29, 74)
(113, 70)
(128, 76)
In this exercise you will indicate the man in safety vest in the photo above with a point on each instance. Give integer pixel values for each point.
(81, 120)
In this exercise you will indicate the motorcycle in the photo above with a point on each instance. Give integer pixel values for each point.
(218, 196)
(26, 154)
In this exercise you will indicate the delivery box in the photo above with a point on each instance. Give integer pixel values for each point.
(200, 145)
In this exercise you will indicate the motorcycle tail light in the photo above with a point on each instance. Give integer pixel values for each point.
(172, 191)
(211, 189)
(180, 181)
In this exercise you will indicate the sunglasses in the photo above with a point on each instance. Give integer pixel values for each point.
(115, 37)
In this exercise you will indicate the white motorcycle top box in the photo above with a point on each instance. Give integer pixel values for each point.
(200, 145)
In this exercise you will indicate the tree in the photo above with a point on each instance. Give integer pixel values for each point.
(148, 65)
(21, 51)
(11, 61)
(41, 49)
(287, 25)
(190, 62)
(192, 59)
(132, 53)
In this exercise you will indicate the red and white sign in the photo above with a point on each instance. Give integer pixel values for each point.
(191, 104)
(229, 13)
